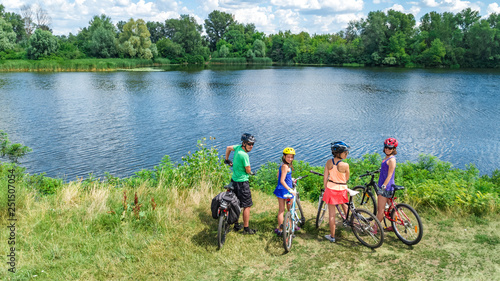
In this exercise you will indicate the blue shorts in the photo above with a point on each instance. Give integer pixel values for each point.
(385, 193)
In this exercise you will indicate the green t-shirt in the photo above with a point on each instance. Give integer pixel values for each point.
(240, 161)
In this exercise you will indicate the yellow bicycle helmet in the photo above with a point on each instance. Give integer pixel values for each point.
(289, 150)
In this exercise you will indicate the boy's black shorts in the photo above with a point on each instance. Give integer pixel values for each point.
(242, 191)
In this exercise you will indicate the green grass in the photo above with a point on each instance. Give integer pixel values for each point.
(93, 229)
(82, 233)
(78, 64)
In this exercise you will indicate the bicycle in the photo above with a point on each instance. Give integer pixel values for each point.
(294, 217)
(405, 221)
(363, 223)
(223, 213)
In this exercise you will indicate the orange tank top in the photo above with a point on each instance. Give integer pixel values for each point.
(337, 177)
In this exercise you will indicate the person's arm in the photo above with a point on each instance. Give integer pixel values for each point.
(392, 167)
(248, 170)
(325, 173)
(347, 172)
(284, 171)
(228, 151)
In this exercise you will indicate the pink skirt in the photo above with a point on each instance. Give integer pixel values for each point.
(335, 197)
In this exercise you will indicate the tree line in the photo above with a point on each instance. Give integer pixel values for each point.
(389, 38)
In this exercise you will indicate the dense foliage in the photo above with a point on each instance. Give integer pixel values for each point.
(430, 184)
(389, 38)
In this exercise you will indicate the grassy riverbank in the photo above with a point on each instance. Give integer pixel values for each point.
(82, 233)
(95, 229)
(77, 64)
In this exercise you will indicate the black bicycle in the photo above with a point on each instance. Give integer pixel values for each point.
(368, 193)
(224, 210)
(365, 225)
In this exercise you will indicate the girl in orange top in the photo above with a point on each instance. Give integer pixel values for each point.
(335, 177)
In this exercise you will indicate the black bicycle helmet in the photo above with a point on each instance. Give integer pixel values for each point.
(246, 137)
(339, 146)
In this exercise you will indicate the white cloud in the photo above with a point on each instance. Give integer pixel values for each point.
(262, 17)
(288, 20)
(493, 8)
(332, 5)
(396, 7)
(329, 24)
(456, 6)
(430, 3)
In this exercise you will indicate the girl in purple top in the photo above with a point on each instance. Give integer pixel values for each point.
(386, 179)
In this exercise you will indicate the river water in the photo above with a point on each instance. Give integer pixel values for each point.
(122, 122)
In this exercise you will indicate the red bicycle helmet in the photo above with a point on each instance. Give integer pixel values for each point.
(391, 143)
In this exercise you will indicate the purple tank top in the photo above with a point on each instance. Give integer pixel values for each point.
(384, 170)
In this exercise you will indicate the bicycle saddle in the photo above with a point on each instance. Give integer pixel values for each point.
(352, 192)
(398, 187)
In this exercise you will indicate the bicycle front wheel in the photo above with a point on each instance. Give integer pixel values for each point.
(406, 224)
(364, 200)
(367, 228)
(288, 228)
(322, 206)
(223, 230)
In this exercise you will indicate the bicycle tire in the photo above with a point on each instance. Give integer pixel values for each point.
(222, 230)
(364, 200)
(288, 228)
(363, 225)
(410, 231)
(302, 218)
(321, 211)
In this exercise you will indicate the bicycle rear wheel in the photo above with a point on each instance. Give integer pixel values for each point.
(322, 206)
(288, 228)
(364, 200)
(367, 228)
(223, 230)
(406, 224)
(300, 213)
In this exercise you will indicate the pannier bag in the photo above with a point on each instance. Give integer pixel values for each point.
(233, 203)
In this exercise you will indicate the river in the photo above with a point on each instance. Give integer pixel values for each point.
(121, 122)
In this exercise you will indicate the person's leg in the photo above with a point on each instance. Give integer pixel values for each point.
(331, 219)
(246, 216)
(381, 200)
(281, 211)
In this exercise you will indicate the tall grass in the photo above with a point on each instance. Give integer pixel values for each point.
(96, 229)
(78, 64)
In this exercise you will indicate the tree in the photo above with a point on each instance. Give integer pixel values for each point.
(102, 33)
(434, 55)
(13, 151)
(259, 48)
(41, 44)
(157, 30)
(374, 33)
(35, 17)
(169, 49)
(185, 32)
(17, 24)
(237, 40)
(134, 40)
(7, 36)
(216, 26)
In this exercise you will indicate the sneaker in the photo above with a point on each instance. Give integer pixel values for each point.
(237, 227)
(330, 238)
(249, 231)
(389, 229)
(278, 232)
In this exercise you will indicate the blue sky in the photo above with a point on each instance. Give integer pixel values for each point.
(271, 16)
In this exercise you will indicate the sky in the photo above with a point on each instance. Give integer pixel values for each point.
(270, 17)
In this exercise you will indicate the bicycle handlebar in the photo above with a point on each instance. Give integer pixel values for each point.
(368, 173)
(316, 173)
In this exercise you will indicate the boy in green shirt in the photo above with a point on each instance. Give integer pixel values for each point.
(241, 172)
